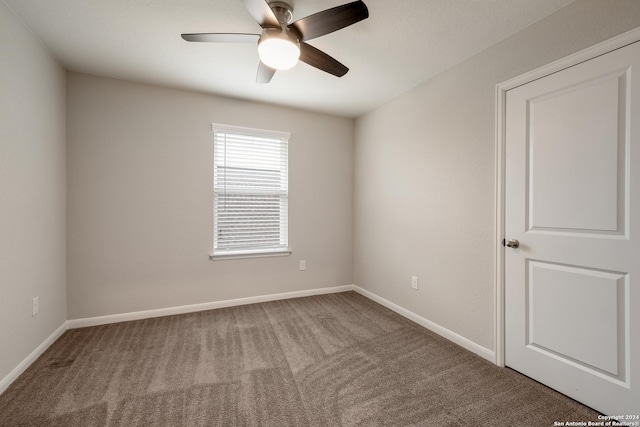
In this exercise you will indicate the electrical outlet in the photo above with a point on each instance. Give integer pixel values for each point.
(414, 282)
(303, 265)
(35, 306)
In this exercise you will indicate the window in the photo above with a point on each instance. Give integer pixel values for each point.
(250, 192)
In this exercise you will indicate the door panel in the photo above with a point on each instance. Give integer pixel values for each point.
(557, 299)
(589, 116)
(572, 200)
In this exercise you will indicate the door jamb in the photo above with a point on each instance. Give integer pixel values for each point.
(599, 49)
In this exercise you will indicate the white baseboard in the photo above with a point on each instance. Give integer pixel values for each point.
(137, 315)
(147, 314)
(18, 370)
(115, 318)
(444, 332)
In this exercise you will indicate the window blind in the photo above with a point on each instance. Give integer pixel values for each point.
(250, 180)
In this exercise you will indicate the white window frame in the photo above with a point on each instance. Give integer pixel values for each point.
(241, 153)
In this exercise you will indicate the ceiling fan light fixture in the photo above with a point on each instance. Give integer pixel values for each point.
(279, 51)
(283, 42)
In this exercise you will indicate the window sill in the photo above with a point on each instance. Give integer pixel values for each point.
(243, 255)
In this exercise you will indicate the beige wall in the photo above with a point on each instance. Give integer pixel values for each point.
(140, 199)
(425, 174)
(32, 192)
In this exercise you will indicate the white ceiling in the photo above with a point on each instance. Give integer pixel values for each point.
(402, 44)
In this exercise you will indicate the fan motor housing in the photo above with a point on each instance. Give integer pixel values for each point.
(283, 11)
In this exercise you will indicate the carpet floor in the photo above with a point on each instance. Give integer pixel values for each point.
(330, 360)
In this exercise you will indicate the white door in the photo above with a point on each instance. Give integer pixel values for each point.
(572, 287)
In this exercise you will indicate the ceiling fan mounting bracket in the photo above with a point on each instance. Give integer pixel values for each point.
(283, 11)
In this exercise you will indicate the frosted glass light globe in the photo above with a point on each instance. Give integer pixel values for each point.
(278, 52)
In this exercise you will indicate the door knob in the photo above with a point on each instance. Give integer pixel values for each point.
(513, 243)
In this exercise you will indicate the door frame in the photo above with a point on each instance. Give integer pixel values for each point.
(599, 49)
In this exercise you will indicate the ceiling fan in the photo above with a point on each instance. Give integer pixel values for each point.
(283, 42)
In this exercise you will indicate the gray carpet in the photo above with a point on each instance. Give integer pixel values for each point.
(331, 360)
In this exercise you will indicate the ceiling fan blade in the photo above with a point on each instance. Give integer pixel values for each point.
(331, 20)
(320, 60)
(262, 13)
(222, 37)
(265, 73)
